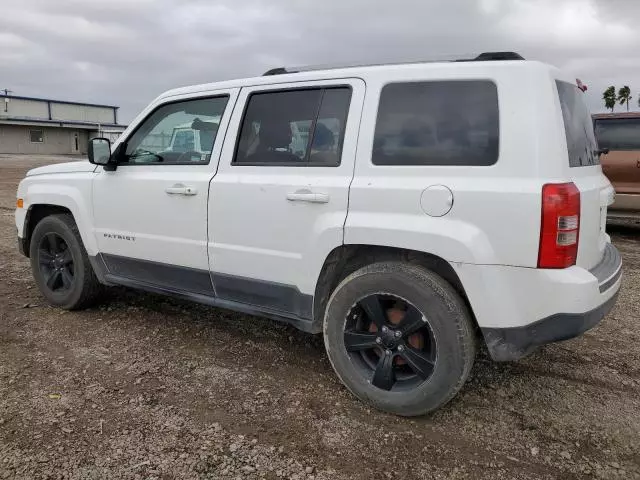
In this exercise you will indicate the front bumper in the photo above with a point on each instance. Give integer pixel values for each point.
(21, 218)
(514, 342)
(22, 247)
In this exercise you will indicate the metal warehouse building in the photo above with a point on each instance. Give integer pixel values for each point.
(54, 127)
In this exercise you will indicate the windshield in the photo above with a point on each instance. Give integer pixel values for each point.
(578, 127)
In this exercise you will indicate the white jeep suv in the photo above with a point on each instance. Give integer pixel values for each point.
(432, 207)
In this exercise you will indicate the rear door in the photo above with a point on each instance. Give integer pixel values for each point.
(596, 192)
(278, 202)
(622, 164)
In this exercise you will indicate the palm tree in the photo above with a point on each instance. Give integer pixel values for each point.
(624, 96)
(609, 97)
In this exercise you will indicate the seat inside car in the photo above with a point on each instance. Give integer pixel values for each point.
(274, 138)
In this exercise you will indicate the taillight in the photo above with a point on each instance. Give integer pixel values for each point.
(560, 225)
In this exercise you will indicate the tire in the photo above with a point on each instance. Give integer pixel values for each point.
(428, 366)
(75, 285)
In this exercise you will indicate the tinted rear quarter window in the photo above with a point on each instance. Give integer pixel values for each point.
(578, 128)
(618, 133)
(437, 123)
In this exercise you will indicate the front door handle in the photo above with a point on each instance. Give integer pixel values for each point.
(180, 189)
(307, 196)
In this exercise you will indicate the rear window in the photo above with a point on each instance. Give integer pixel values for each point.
(183, 141)
(618, 133)
(437, 123)
(578, 127)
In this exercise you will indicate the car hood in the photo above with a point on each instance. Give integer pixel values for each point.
(68, 167)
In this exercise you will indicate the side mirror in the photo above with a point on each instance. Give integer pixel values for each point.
(99, 151)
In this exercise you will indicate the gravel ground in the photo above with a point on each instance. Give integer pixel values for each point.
(143, 386)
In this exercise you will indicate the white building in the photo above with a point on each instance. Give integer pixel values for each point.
(54, 127)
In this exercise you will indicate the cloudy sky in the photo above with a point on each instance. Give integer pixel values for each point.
(126, 52)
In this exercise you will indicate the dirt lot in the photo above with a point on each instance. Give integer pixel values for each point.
(148, 387)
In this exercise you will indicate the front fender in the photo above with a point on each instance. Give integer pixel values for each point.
(72, 192)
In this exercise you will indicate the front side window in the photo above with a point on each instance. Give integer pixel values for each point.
(618, 133)
(437, 123)
(36, 136)
(170, 134)
(303, 127)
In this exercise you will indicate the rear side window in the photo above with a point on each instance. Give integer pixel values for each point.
(437, 123)
(578, 127)
(618, 133)
(303, 127)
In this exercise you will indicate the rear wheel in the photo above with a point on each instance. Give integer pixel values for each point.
(399, 337)
(61, 265)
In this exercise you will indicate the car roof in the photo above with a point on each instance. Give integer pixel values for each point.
(306, 74)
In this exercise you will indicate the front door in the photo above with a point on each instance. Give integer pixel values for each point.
(278, 203)
(150, 214)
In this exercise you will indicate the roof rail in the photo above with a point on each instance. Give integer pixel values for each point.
(494, 56)
(277, 71)
(483, 57)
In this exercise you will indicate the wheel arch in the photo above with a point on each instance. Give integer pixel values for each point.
(38, 210)
(346, 259)
(55, 194)
(35, 213)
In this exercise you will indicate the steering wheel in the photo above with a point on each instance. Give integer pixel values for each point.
(189, 154)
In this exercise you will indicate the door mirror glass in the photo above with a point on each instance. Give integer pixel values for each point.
(99, 151)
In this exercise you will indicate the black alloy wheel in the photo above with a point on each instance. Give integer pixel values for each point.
(390, 342)
(56, 263)
(60, 264)
(399, 337)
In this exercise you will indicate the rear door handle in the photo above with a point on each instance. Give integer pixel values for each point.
(180, 189)
(307, 196)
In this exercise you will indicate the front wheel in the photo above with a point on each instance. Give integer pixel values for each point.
(61, 265)
(399, 337)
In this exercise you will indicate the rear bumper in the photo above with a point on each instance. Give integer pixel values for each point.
(508, 344)
(626, 207)
(625, 203)
(519, 309)
(609, 270)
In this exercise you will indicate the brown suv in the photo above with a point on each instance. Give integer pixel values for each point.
(620, 134)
